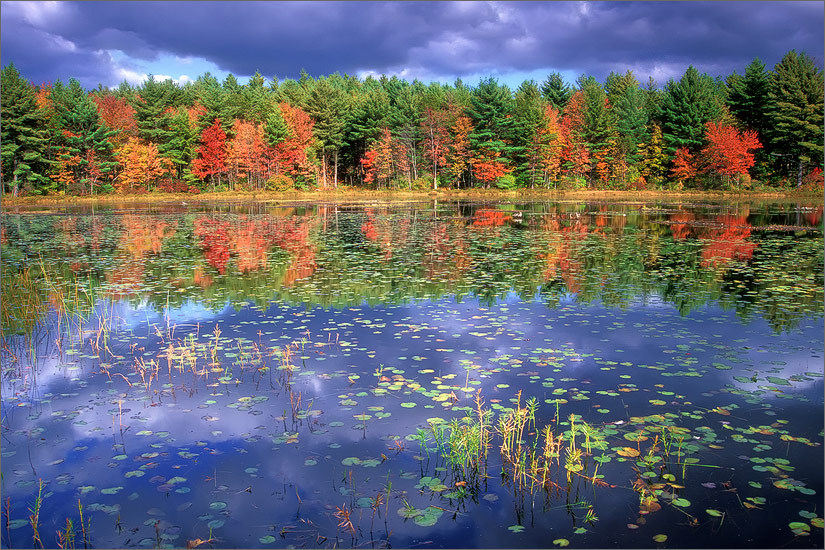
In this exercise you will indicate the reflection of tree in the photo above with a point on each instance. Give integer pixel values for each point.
(728, 242)
(141, 236)
(337, 257)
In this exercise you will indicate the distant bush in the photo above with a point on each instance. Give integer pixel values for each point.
(280, 182)
(423, 183)
(507, 181)
(169, 185)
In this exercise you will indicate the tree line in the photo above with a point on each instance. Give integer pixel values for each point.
(765, 126)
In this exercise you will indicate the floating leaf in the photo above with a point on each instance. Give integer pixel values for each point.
(660, 538)
(628, 451)
(561, 542)
(516, 528)
(714, 513)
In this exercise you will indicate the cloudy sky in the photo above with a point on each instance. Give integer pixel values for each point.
(108, 42)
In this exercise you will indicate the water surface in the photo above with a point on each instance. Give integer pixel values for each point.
(271, 376)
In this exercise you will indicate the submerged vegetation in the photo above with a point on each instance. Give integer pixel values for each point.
(206, 377)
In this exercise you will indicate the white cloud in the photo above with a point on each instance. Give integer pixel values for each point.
(36, 13)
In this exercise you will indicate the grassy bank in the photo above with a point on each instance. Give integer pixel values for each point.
(361, 195)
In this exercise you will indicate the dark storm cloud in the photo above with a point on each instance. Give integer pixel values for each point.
(427, 40)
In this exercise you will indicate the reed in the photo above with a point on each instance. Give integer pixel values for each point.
(34, 517)
(66, 536)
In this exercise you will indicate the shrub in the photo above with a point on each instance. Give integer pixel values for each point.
(507, 181)
(280, 182)
(422, 184)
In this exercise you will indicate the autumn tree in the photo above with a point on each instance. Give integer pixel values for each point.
(459, 152)
(728, 152)
(118, 115)
(378, 160)
(211, 160)
(246, 152)
(684, 167)
(295, 152)
(436, 137)
(141, 166)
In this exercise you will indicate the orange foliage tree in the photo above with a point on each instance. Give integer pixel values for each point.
(684, 167)
(141, 166)
(728, 152)
(458, 152)
(487, 167)
(378, 160)
(293, 153)
(246, 153)
(118, 115)
(436, 137)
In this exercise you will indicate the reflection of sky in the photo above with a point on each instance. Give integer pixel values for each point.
(192, 311)
(234, 440)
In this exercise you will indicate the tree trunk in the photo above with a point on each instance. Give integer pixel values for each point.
(324, 167)
(336, 169)
(799, 175)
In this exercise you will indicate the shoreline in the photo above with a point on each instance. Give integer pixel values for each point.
(358, 195)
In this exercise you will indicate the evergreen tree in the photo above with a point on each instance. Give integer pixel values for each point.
(528, 111)
(405, 117)
(183, 144)
(86, 152)
(275, 128)
(22, 137)
(490, 111)
(233, 105)
(796, 113)
(555, 91)
(152, 111)
(686, 107)
(598, 128)
(258, 99)
(329, 106)
(631, 119)
(748, 97)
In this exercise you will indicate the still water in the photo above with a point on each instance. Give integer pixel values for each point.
(442, 374)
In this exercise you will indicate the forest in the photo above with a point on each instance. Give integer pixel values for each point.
(759, 130)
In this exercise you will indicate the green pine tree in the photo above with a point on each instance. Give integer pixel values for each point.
(22, 136)
(491, 112)
(796, 113)
(83, 135)
(555, 91)
(686, 107)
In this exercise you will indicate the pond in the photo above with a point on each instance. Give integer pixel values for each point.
(437, 374)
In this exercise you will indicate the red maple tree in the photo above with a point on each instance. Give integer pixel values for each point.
(684, 167)
(728, 152)
(487, 167)
(211, 159)
(118, 115)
